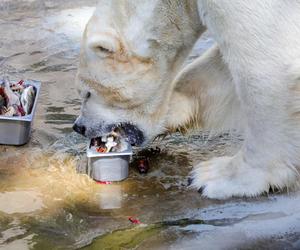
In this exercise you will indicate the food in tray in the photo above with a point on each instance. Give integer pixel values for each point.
(113, 142)
(16, 99)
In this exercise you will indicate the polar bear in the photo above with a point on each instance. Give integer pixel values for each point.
(131, 76)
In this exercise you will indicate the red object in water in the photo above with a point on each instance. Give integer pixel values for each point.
(143, 166)
(134, 221)
(104, 182)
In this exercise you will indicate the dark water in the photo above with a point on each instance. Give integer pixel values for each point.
(46, 204)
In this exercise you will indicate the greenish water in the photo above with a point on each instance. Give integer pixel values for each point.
(131, 238)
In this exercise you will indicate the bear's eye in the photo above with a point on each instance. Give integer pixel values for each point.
(103, 50)
(102, 45)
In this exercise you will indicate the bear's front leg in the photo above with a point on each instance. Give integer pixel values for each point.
(259, 43)
(225, 177)
(270, 155)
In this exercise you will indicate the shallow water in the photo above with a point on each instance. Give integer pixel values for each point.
(46, 200)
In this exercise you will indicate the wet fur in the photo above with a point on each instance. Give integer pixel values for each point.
(249, 82)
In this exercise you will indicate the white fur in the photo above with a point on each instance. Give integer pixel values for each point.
(258, 41)
(249, 81)
(207, 85)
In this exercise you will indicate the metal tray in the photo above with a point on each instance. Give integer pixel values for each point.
(108, 166)
(16, 130)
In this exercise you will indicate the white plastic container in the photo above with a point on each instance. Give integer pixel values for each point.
(108, 166)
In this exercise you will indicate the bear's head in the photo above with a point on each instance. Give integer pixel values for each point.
(131, 52)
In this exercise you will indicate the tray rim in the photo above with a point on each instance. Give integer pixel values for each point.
(92, 154)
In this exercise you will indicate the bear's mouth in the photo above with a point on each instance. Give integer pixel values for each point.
(126, 130)
(131, 132)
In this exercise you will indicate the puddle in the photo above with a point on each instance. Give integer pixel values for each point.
(46, 200)
(20, 202)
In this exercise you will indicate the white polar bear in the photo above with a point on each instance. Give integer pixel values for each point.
(132, 51)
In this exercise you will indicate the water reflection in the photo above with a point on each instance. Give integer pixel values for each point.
(110, 196)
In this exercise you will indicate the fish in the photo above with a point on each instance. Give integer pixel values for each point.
(27, 99)
(10, 111)
(12, 98)
(19, 110)
(110, 143)
(2, 101)
(15, 99)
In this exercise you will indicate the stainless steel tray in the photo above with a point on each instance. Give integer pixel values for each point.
(16, 130)
(108, 166)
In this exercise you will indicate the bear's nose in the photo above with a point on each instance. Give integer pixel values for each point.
(79, 129)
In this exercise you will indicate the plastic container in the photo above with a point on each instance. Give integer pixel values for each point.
(108, 166)
(16, 130)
